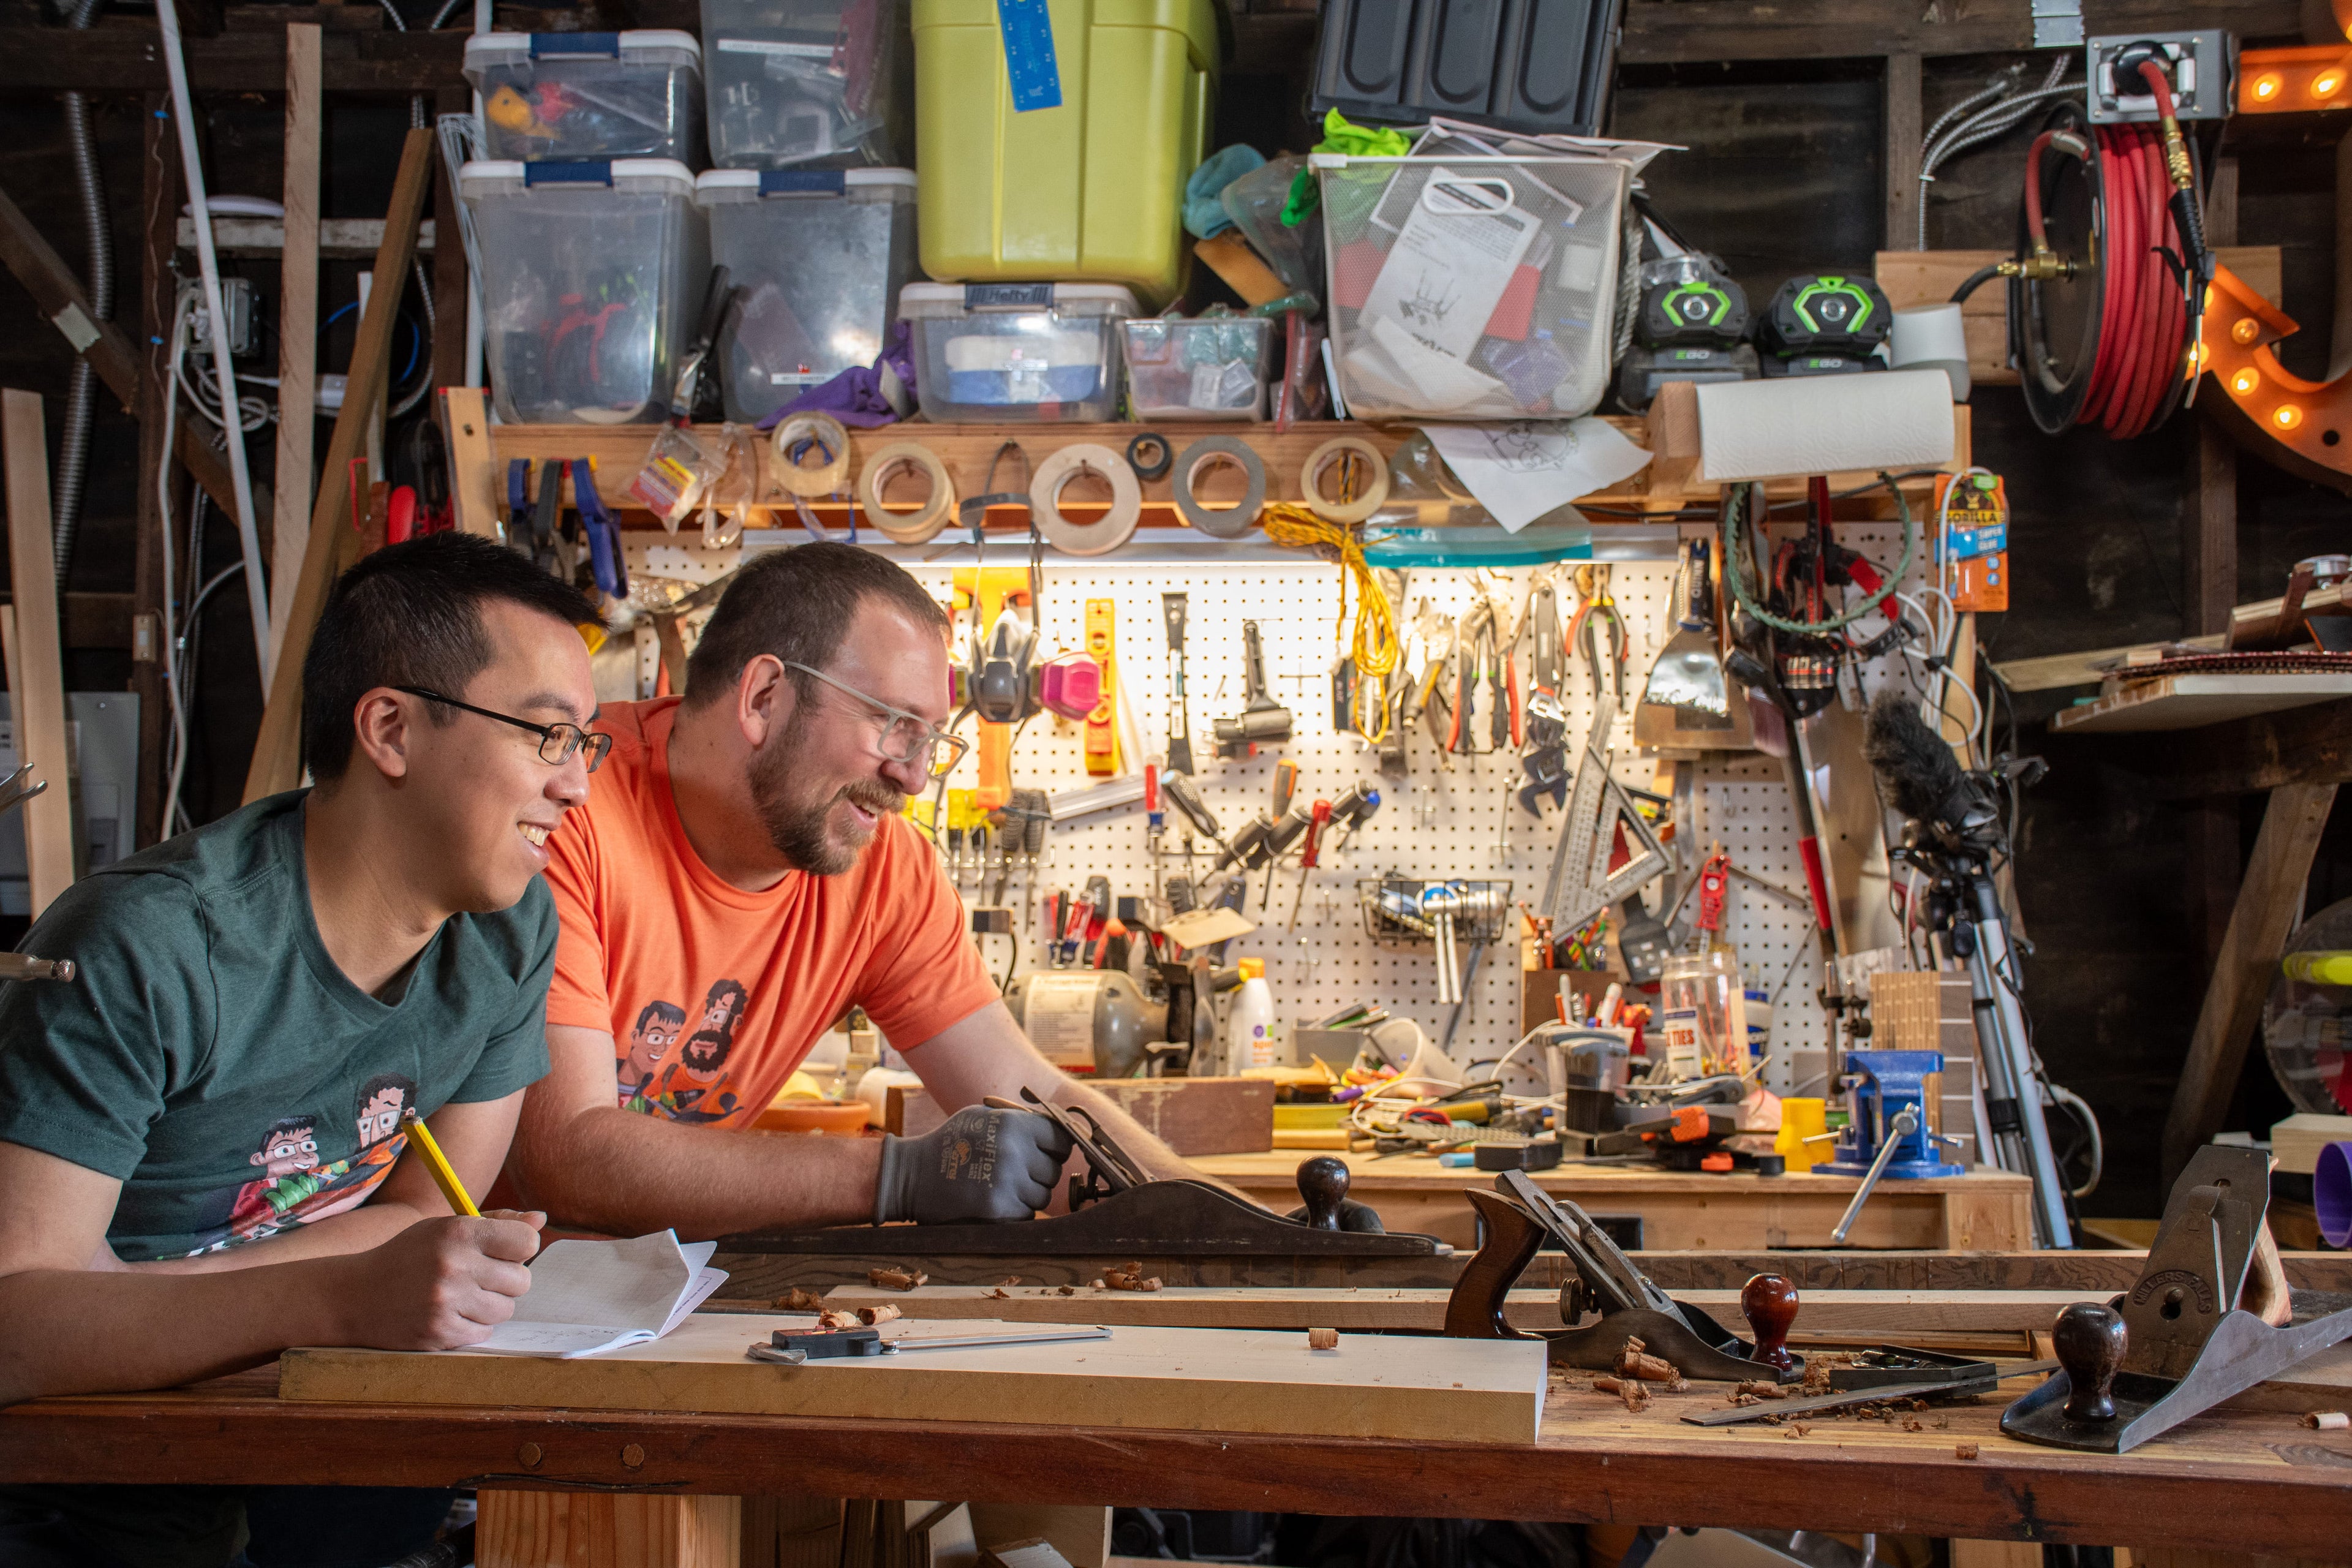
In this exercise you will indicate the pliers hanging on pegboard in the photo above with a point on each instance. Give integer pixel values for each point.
(1597, 605)
(1504, 725)
(1475, 657)
(1545, 760)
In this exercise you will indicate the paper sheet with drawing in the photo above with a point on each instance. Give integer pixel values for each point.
(589, 1297)
(1522, 469)
(1452, 261)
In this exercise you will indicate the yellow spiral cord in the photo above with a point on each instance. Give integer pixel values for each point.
(1376, 649)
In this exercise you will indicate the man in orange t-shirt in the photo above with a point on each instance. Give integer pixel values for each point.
(740, 877)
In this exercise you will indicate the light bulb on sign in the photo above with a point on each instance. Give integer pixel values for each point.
(2287, 416)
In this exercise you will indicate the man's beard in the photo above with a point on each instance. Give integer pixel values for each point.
(799, 828)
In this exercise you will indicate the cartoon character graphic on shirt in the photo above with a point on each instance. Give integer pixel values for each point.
(689, 1090)
(658, 1025)
(304, 1193)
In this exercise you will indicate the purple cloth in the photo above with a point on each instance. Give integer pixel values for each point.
(882, 392)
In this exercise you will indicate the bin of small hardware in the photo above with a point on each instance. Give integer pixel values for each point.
(558, 96)
(808, 83)
(593, 275)
(1471, 287)
(1011, 353)
(1201, 367)
(821, 254)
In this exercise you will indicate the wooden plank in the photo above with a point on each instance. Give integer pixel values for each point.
(967, 450)
(297, 326)
(1673, 32)
(474, 499)
(1912, 279)
(2268, 906)
(1886, 1313)
(1475, 1391)
(2057, 671)
(56, 292)
(276, 753)
(37, 671)
(2191, 702)
(128, 59)
(2214, 1482)
(340, 238)
(1192, 1116)
(448, 266)
(605, 1529)
(1905, 124)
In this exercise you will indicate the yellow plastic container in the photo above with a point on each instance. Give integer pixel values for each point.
(1090, 192)
(1801, 1120)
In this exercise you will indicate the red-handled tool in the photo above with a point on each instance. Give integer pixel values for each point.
(1317, 818)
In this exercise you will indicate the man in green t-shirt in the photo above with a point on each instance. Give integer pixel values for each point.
(259, 1003)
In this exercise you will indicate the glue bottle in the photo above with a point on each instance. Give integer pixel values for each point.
(1249, 1020)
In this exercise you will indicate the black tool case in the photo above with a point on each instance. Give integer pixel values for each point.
(1518, 65)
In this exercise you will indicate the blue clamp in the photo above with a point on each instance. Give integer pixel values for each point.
(604, 558)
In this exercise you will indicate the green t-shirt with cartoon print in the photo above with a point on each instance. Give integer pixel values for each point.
(211, 1056)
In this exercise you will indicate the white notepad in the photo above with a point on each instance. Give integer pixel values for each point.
(590, 1296)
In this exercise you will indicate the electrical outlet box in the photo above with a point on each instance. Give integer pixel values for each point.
(236, 304)
(2204, 76)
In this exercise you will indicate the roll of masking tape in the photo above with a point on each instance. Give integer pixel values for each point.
(918, 527)
(827, 432)
(1117, 525)
(1231, 522)
(1330, 452)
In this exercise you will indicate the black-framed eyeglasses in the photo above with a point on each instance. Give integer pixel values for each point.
(557, 743)
(906, 737)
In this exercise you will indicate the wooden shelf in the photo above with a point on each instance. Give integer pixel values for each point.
(968, 450)
(2190, 701)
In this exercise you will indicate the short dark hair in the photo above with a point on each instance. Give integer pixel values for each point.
(797, 605)
(667, 1012)
(282, 1126)
(399, 1082)
(411, 614)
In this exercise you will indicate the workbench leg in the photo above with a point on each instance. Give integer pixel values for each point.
(1979, 1221)
(607, 1530)
(2268, 903)
(1997, 1554)
(790, 1532)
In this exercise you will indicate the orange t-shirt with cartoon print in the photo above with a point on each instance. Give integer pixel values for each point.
(714, 995)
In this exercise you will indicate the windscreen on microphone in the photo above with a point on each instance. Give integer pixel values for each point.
(1917, 774)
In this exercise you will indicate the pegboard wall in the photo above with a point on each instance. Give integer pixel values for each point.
(1453, 817)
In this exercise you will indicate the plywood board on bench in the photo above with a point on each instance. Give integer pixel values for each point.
(2187, 702)
(1185, 1379)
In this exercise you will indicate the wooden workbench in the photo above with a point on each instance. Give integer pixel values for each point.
(2243, 1481)
(1984, 1211)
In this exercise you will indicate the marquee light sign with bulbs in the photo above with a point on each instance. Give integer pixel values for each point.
(2303, 427)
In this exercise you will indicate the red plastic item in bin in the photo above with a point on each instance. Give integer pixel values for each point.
(1515, 312)
(1354, 271)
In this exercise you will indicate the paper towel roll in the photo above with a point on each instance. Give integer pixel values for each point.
(1824, 425)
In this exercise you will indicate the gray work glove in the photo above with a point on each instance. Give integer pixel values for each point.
(978, 1164)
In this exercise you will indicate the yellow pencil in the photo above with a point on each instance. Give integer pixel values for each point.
(438, 1163)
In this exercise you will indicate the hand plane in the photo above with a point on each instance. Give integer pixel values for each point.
(2192, 1332)
(1118, 1211)
(1520, 1217)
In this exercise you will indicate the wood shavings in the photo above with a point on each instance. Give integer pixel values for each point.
(1964, 1450)
(798, 1300)
(1000, 1294)
(1798, 1429)
(835, 1321)
(1631, 1390)
(1743, 1399)
(1009, 1281)
(1912, 1424)
(1763, 1389)
(1633, 1362)
(2327, 1420)
(1127, 1278)
(1317, 1339)
(871, 1316)
(1065, 1291)
(894, 1278)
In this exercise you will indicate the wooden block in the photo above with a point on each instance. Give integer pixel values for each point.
(1233, 258)
(1673, 438)
(1193, 1116)
(2296, 1142)
(1078, 1532)
(37, 678)
(605, 1529)
(474, 488)
(1182, 1379)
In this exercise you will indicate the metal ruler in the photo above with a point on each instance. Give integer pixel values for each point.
(1581, 884)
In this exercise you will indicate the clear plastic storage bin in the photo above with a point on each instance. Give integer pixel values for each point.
(558, 96)
(1203, 367)
(824, 83)
(593, 276)
(1472, 287)
(822, 255)
(1005, 352)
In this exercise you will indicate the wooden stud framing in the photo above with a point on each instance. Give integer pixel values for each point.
(36, 675)
(297, 324)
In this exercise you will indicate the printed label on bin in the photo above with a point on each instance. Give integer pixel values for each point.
(605, 44)
(1059, 1019)
(1001, 296)
(774, 47)
(1029, 68)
